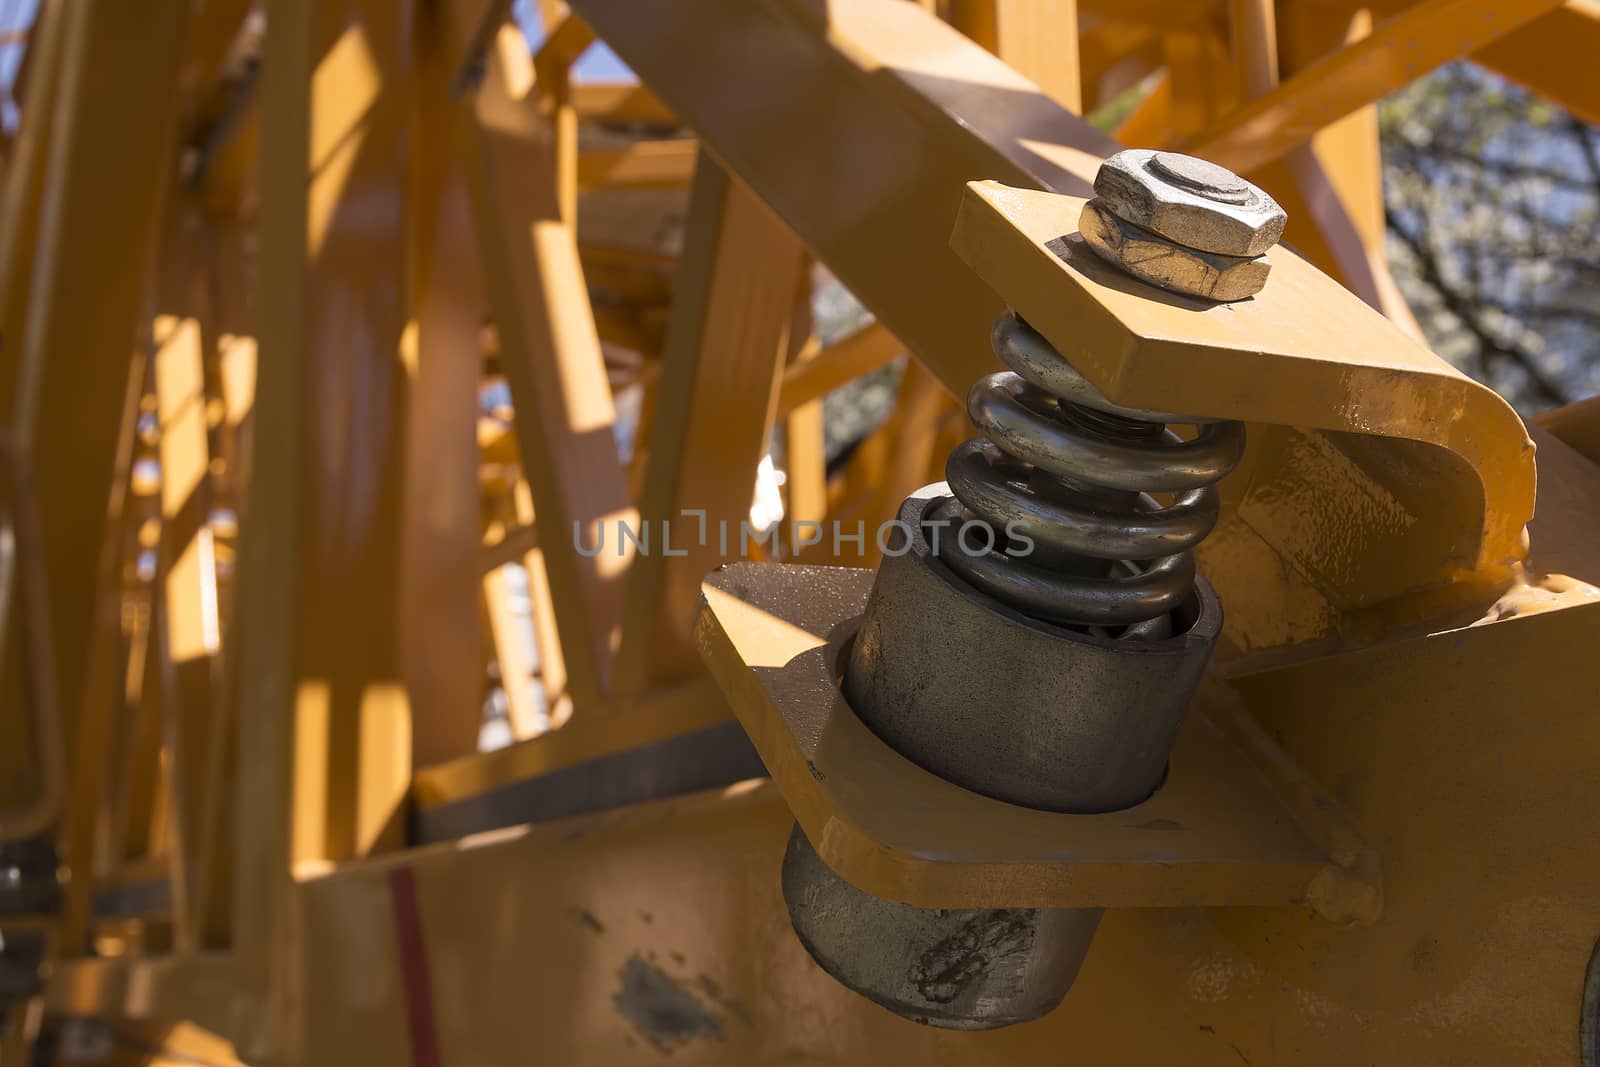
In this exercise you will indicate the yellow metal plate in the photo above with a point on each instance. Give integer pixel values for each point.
(1463, 755)
(1214, 834)
(1303, 352)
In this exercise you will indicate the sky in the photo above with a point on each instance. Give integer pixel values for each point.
(598, 64)
(15, 15)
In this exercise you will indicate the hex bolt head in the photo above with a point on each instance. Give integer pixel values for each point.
(1201, 177)
(1154, 259)
(1189, 202)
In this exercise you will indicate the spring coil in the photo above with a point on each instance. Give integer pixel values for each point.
(1073, 473)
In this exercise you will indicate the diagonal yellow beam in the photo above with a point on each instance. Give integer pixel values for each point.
(843, 361)
(551, 353)
(721, 370)
(1553, 56)
(1425, 36)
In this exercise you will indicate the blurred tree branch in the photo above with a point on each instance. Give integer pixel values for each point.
(1493, 200)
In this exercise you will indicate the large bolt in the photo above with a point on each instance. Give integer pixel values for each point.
(1182, 223)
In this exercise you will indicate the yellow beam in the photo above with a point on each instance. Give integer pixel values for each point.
(1039, 38)
(843, 361)
(1332, 186)
(647, 163)
(197, 987)
(40, 710)
(725, 348)
(440, 631)
(612, 727)
(1424, 36)
(214, 27)
(230, 369)
(639, 276)
(564, 42)
(1578, 425)
(518, 676)
(66, 369)
(23, 187)
(67, 373)
(1150, 120)
(1255, 44)
(323, 715)
(551, 354)
(553, 676)
(805, 460)
(1205, 84)
(514, 525)
(1158, 13)
(186, 626)
(623, 104)
(1113, 55)
(268, 547)
(133, 799)
(929, 109)
(91, 747)
(1551, 55)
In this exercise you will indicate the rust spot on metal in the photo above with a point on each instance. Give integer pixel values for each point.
(660, 1008)
(988, 938)
(587, 918)
(732, 1005)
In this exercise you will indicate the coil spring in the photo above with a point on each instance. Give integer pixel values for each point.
(1074, 473)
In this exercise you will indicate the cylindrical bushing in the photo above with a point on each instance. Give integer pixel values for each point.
(1026, 712)
(957, 968)
(1019, 710)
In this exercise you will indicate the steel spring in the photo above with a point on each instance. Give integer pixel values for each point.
(1075, 473)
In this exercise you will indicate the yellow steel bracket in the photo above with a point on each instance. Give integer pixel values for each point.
(22, 581)
(1400, 475)
(1235, 822)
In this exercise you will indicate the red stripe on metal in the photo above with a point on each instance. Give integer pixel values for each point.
(414, 969)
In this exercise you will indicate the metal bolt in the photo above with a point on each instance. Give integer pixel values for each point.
(1200, 176)
(1152, 258)
(1182, 223)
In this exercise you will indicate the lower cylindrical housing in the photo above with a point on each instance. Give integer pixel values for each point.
(1026, 712)
(1019, 710)
(957, 968)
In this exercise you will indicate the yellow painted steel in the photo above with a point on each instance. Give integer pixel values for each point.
(722, 369)
(563, 410)
(1216, 833)
(1405, 650)
(1426, 35)
(1273, 361)
(198, 988)
(64, 382)
(22, 577)
(1547, 55)
(606, 728)
(861, 352)
(1576, 424)
(442, 647)
(1479, 957)
(325, 742)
